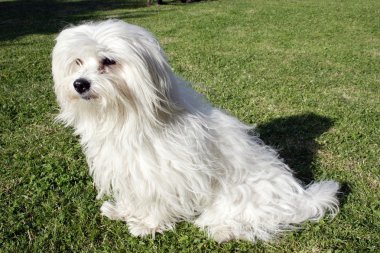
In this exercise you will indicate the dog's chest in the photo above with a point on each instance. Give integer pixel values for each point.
(142, 170)
(116, 164)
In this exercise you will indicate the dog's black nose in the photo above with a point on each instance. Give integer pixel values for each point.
(81, 85)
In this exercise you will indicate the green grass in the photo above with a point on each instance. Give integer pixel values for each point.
(306, 72)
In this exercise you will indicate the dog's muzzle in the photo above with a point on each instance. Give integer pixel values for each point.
(82, 85)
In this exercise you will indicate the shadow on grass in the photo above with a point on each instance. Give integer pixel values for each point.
(294, 138)
(23, 17)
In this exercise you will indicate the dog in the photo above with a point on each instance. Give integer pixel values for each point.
(162, 153)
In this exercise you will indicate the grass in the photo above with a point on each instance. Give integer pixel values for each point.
(306, 72)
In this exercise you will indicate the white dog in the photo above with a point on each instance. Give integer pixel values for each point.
(162, 152)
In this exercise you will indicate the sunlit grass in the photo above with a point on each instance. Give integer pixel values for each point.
(306, 72)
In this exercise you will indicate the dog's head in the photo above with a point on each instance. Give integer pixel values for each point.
(110, 67)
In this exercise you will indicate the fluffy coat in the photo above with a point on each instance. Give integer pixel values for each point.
(163, 153)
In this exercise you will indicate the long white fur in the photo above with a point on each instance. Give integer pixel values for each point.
(163, 153)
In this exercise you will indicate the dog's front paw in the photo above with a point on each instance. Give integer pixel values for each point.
(142, 229)
(109, 210)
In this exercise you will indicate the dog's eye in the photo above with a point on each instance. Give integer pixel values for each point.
(78, 62)
(108, 62)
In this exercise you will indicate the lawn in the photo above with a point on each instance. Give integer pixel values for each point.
(307, 73)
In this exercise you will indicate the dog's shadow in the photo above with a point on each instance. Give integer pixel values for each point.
(294, 137)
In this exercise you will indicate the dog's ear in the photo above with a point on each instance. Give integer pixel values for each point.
(160, 80)
(150, 76)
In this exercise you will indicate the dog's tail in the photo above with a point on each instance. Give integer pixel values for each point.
(322, 199)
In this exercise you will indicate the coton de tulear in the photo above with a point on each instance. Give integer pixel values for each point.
(164, 154)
